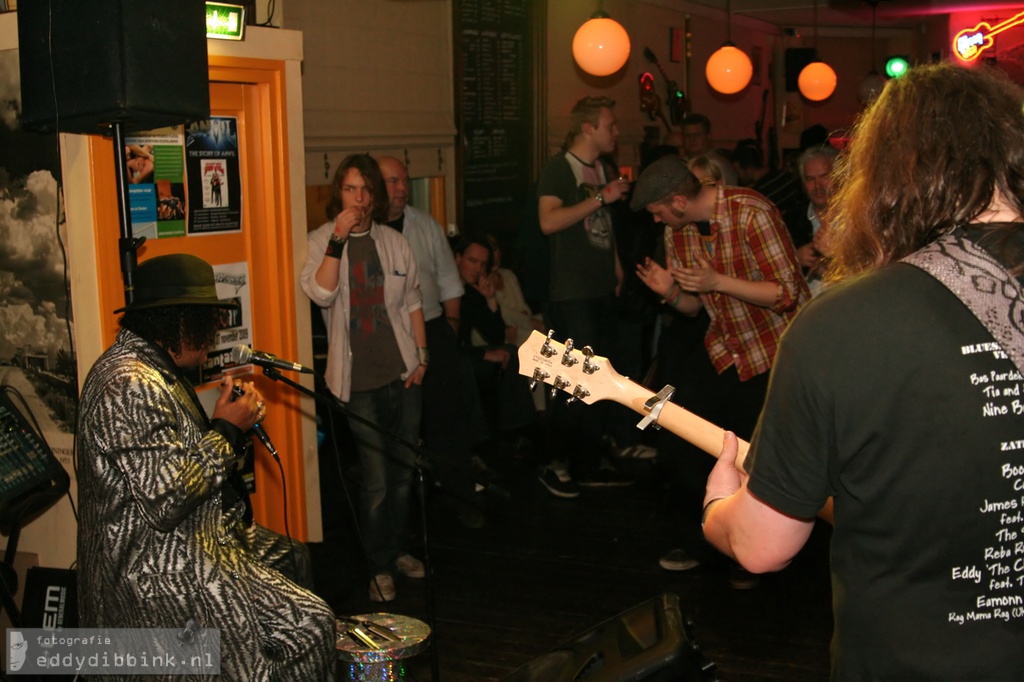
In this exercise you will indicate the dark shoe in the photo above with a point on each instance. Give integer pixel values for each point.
(559, 484)
(606, 478)
(742, 579)
(482, 472)
(678, 560)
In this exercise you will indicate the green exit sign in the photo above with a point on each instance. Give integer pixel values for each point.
(224, 21)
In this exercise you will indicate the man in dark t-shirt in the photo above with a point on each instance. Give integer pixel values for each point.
(574, 192)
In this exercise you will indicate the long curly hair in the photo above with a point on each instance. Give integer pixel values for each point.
(368, 169)
(928, 155)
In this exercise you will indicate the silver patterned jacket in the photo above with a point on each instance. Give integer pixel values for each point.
(156, 548)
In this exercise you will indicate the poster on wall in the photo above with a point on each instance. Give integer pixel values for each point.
(37, 357)
(232, 285)
(156, 184)
(214, 177)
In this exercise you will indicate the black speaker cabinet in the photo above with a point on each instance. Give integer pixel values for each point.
(85, 65)
(796, 59)
(650, 642)
(51, 599)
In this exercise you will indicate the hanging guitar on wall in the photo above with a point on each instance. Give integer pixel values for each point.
(678, 105)
(650, 103)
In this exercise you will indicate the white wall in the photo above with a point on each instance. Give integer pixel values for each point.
(377, 77)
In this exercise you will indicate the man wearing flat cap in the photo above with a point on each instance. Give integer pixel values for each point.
(728, 251)
(166, 538)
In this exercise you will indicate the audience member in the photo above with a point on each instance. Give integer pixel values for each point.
(575, 192)
(520, 320)
(743, 272)
(889, 394)
(697, 142)
(446, 397)
(364, 277)
(504, 394)
(815, 166)
(778, 186)
(706, 170)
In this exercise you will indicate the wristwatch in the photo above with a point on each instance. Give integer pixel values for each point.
(600, 196)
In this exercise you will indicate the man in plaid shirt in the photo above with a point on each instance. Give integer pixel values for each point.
(727, 251)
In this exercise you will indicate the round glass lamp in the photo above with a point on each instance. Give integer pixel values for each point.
(601, 45)
(729, 70)
(817, 81)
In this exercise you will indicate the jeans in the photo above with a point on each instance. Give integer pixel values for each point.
(386, 465)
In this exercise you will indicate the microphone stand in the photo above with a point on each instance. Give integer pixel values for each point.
(420, 466)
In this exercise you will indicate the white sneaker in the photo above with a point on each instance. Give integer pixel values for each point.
(382, 588)
(638, 451)
(410, 566)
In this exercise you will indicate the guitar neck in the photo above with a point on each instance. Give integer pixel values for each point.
(698, 431)
(590, 378)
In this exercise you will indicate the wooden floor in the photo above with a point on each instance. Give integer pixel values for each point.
(544, 569)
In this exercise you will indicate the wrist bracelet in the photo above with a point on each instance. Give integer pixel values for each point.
(674, 287)
(675, 301)
(423, 355)
(335, 245)
(707, 508)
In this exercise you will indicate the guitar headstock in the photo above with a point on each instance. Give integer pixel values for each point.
(577, 371)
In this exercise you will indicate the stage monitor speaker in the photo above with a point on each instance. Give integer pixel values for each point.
(86, 65)
(796, 59)
(648, 643)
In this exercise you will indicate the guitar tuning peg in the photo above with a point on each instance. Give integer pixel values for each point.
(539, 376)
(559, 385)
(589, 366)
(546, 350)
(567, 359)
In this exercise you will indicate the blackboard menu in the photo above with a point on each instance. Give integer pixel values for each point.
(494, 112)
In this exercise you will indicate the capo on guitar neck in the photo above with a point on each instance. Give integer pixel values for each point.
(653, 407)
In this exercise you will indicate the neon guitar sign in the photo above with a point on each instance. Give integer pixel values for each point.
(970, 43)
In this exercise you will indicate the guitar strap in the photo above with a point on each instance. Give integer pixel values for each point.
(982, 284)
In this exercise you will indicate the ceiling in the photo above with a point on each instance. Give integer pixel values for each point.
(852, 13)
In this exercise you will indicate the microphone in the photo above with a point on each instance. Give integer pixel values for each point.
(257, 428)
(265, 439)
(243, 355)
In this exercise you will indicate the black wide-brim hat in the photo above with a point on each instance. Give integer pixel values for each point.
(175, 279)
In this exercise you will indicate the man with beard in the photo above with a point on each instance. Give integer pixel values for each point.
(728, 252)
